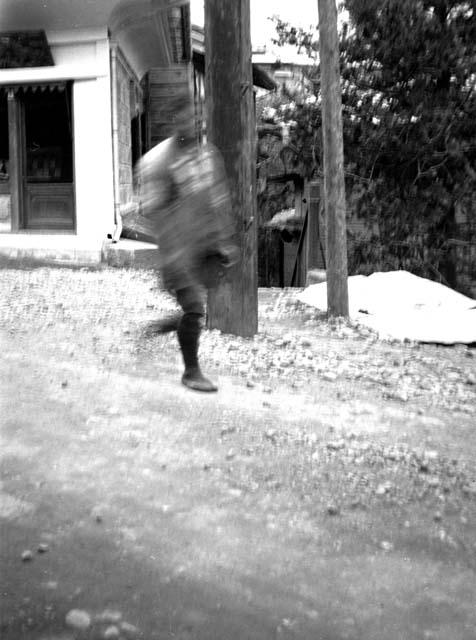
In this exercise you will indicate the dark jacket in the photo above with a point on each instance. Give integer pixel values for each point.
(185, 206)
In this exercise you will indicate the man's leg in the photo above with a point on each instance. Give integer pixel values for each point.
(171, 321)
(192, 301)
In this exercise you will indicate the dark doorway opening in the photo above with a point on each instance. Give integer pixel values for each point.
(48, 158)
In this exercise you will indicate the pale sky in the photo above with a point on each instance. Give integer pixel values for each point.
(299, 13)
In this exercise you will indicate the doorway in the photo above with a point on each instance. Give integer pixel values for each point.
(46, 171)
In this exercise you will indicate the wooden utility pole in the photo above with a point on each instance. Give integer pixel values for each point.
(230, 117)
(334, 185)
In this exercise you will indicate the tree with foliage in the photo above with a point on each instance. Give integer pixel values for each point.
(409, 108)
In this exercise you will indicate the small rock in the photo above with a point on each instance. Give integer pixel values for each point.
(227, 429)
(437, 516)
(235, 493)
(384, 488)
(471, 380)
(78, 619)
(402, 396)
(97, 514)
(433, 481)
(333, 509)
(111, 633)
(387, 546)
(267, 390)
(271, 434)
(335, 445)
(51, 585)
(250, 384)
(43, 547)
(329, 376)
(27, 556)
(64, 384)
(110, 616)
(129, 630)
(230, 454)
(469, 489)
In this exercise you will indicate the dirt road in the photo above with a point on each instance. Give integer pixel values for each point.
(328, 491)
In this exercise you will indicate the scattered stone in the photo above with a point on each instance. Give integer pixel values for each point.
(271, 434)
(78, 619)
(437, 516)
(43, 547)
(335, 445)
(51, 585)
(469, 489)
(27, 556)
(110, 616)
(383, 488)
(230, 454)
(64, 384)
(386, 546)
(333, 509)
(250, 384)
(227, 429)
(129, 630)
(96, 513)
(111, 633)
(401, 396)
(235, 493)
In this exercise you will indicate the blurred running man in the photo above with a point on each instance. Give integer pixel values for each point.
(185, 206)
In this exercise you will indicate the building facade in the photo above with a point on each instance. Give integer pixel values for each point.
(83, 93)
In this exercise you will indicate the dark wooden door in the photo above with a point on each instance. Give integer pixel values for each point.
(48, 202)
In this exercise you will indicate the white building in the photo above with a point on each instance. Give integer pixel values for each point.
(75, 101)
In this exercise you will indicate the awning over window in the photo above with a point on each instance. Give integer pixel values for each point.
(20, 49)
(34, 87)
(260, 77)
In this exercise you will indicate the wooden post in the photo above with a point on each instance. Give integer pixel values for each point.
(233, 307)
(334, 186)
(16, 163)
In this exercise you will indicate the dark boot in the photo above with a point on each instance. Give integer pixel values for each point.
(188, 334)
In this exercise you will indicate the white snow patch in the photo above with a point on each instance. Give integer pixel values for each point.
(400, 305)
